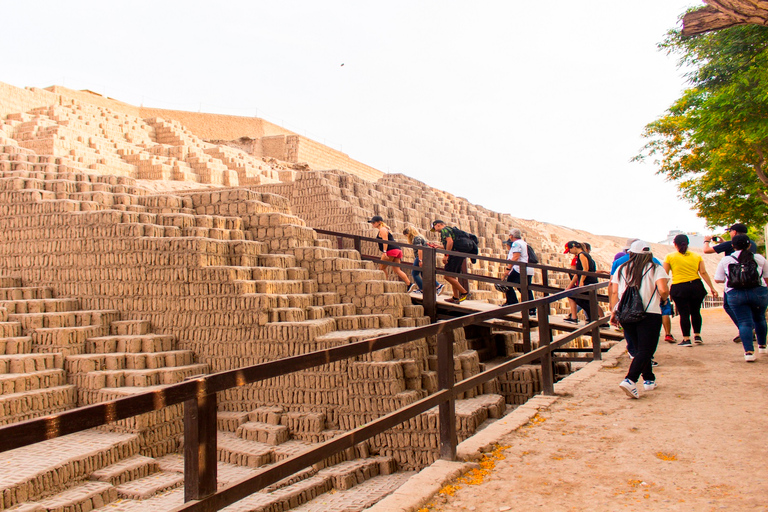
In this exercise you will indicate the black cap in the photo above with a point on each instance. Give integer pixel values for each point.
(376, 218)
(739, 228)
(434, 222)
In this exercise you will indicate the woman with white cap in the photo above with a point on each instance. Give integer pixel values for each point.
(651, 281)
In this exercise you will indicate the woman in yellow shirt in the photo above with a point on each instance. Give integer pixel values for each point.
(687, 290)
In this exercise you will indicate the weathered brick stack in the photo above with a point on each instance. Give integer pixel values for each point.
(339, 201)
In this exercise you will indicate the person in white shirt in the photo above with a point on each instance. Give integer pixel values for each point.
(748, 301)
(518, 251)
(652, 283)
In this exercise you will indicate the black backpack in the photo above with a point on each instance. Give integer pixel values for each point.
(630, 309)
(743, 274)
(532, 258)
(465, 242)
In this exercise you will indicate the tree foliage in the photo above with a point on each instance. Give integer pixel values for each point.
(713, 141)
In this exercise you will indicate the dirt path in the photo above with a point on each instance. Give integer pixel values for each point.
(698, 442)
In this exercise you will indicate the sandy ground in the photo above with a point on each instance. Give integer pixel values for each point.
(697, 442)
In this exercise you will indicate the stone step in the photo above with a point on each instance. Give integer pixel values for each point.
(348, 474)
(356, 322)
(40, 305)
(26, 363)
(229, 421)
(29, 292)
(33, 472)
(10, 282)
(84, 496)
(287, 315)
(31, 321)
(148, 486)
(84, 363)
(10, 330)
(67, 340)
(26, 405)
(20, 382)
(133, 343)
(281, 287)
(286, 498)
(307, 330)
(277, 260)
(360, 497)
(263, 433)
(278, 273)
(337, 310)
(16, 345)
(140, 378)
(131, 327)
(234, 450)
(132, 468)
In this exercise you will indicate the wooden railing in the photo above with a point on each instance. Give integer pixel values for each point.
(199, 398)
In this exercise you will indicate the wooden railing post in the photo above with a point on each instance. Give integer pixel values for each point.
(358, 244)
(445, 380)
(594, 314)
(340, 242)
(428, 275)
(545, 279)
(200, 446)
(545, 338)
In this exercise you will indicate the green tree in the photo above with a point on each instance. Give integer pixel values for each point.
(713, 141)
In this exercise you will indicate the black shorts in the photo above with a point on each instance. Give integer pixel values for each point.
(454, 264)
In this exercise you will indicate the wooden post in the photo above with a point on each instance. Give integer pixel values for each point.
(340, 242)
(445, 378)
(545, 338)
(200, 446)
(545, 279)
(358, 244)
(428, 275)
(594, 314)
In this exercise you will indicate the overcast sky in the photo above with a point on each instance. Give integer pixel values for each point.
(528, 108)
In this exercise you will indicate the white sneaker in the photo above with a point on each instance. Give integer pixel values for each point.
(439, 289)
(649, 385)
(749, 357)
(630, 388)
(412, 288)
(762, 350)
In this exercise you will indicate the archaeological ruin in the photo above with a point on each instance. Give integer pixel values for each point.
(141, 247)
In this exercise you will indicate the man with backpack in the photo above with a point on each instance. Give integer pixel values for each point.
(746, 278)
(454, 239)
(726, 247)
(520, 251)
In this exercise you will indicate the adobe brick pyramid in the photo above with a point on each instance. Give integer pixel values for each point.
(136, 253)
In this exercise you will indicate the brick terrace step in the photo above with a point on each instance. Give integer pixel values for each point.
(40, 305)
(25, 363)
(150, 485)
(26, 405)
(19, 382)
(19, 293)
(131, 343)
(126, 470)
(35, 471)
(85, 496)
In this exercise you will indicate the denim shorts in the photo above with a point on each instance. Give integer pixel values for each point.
(666, 309)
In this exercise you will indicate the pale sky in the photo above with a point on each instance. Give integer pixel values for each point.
(528, 108)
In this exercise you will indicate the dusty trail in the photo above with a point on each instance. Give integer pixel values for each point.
(698, 442)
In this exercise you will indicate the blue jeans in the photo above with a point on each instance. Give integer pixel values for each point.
(749, 307)
(416, 274)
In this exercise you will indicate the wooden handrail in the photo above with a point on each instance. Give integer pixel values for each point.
(199, 396)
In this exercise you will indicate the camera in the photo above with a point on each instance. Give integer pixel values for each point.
(717, 239)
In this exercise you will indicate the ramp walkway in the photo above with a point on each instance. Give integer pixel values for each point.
(697, 442)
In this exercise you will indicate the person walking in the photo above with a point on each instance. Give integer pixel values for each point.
(414, 238)
(583, 262)
(747, 293)
(390, 251)
(518, 251)
(687, 290)
(451, 263)
(652, 283)
(726, 247)
(666, 306)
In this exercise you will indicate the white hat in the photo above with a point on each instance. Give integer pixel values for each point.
(628, 243)
(639, 247)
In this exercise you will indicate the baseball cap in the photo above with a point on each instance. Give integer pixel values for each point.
(628, 243)
(639, 247)
(739, 228)
(438, 221)
(569, 246)
(376, 218)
